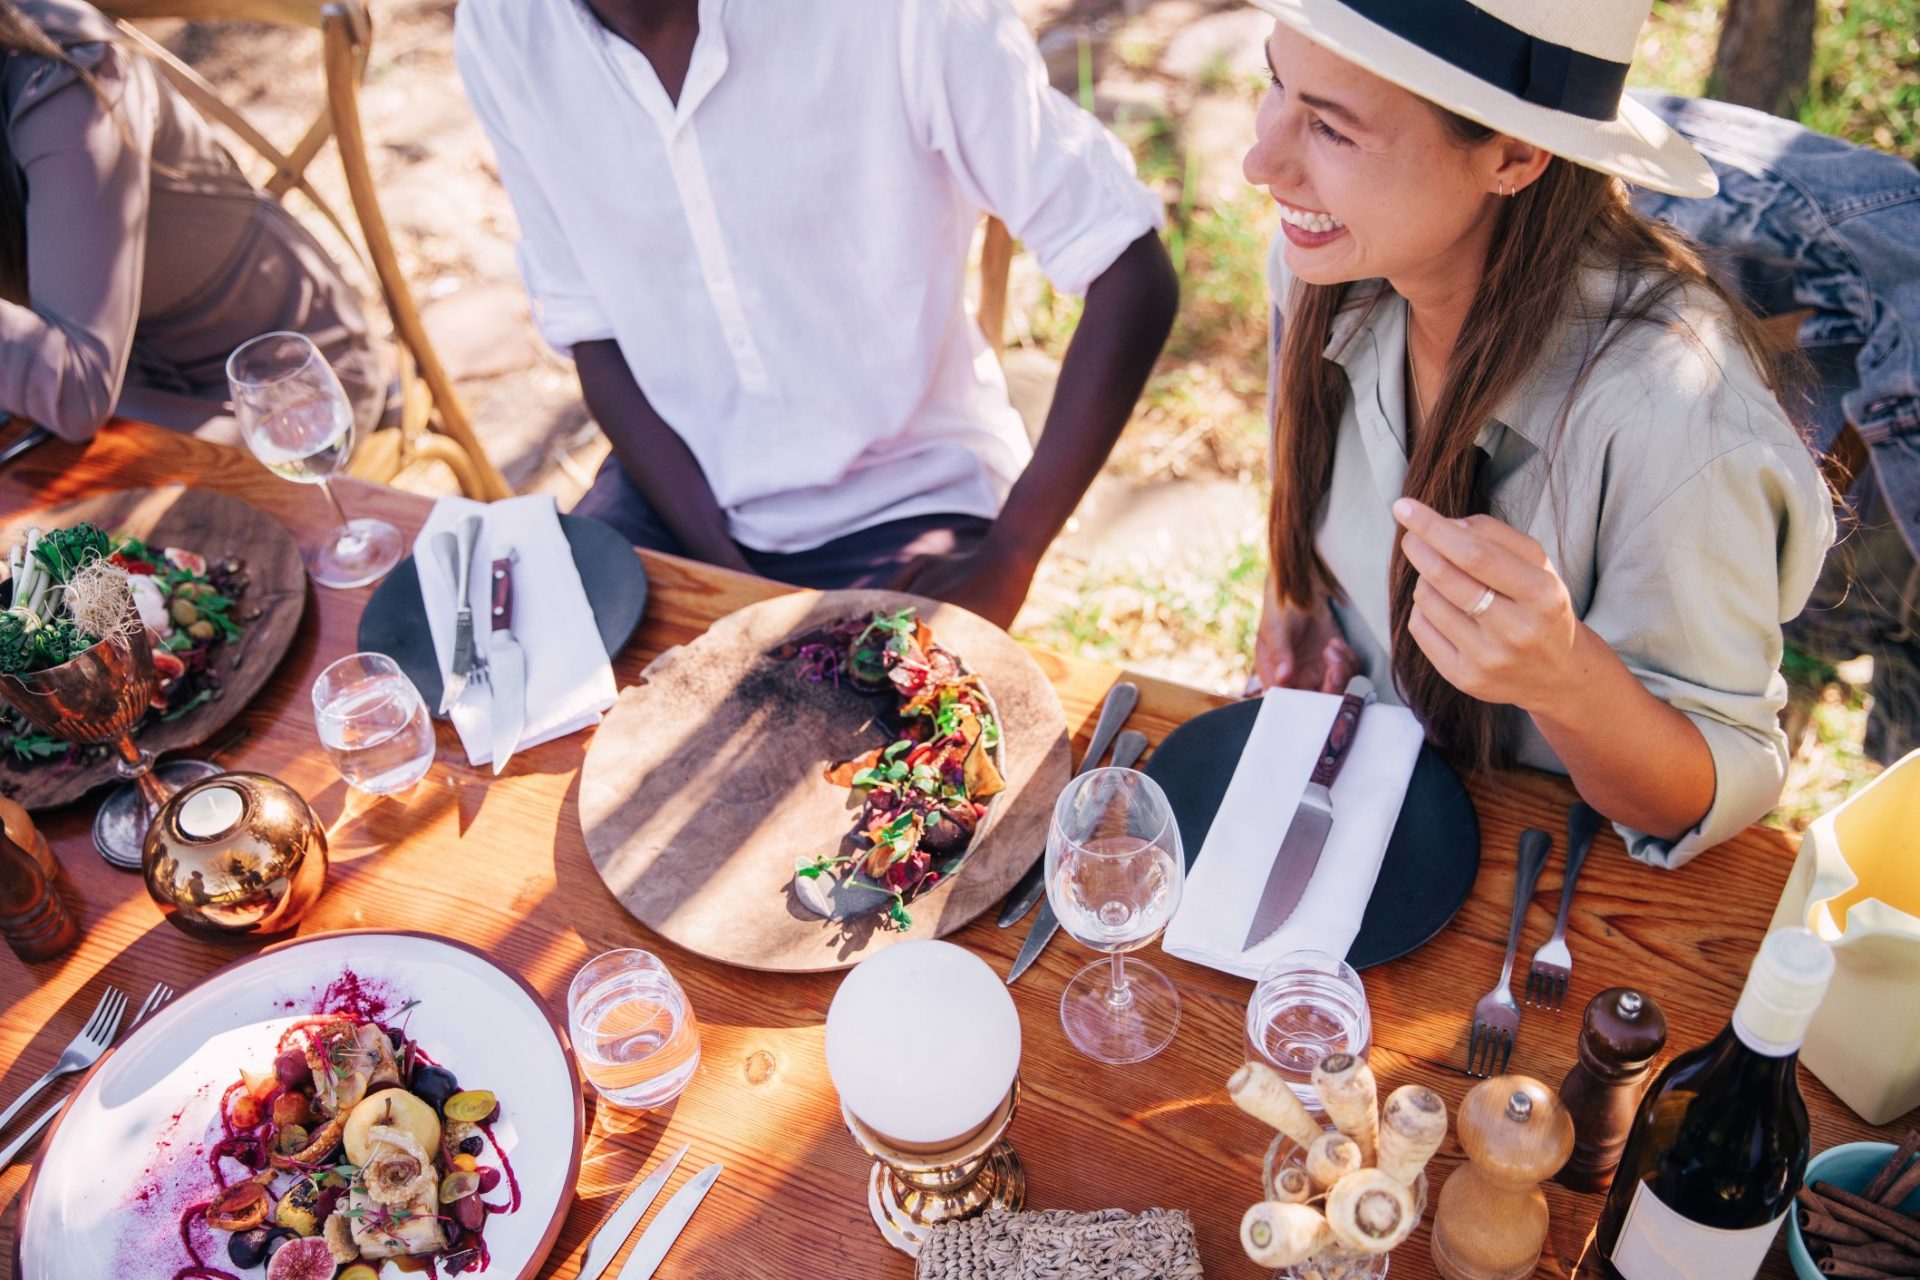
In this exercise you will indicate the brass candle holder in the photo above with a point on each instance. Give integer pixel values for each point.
(240, 855)
(99, 696)
(911, 1189)
(928, 1086)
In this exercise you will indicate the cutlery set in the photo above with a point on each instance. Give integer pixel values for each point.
(497, 671)
(86, 1048)
(656, 1239)
(1496, 1018)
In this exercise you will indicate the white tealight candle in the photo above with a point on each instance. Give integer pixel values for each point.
(923, 1042)
(211, 812)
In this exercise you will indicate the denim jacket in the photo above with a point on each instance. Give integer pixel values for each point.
(1805, 220)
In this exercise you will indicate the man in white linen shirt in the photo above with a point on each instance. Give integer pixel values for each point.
(748, 221)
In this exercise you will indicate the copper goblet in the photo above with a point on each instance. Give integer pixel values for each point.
(100, 696)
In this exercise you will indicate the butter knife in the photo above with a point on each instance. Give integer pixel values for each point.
(614, 1231)
(456, 553)
(658, 1238)
(1032, 886)
(507, 667)
(1299, 853)
(1127, 749)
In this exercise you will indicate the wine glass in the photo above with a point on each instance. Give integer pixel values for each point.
(1114, 877)
(298, 421)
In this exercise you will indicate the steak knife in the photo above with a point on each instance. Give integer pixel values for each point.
(507, 667)
(1306, 836)
(658, 1238)
(1032, 886)
(1127, 749)
(614, 1231)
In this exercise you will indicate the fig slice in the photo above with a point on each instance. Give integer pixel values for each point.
(325, 1139)
(240, 1207)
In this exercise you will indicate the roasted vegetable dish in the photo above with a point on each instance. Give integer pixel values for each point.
(353, 1149)
(925, 792)
(67, 588)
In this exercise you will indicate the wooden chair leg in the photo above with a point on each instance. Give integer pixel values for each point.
(996, 259)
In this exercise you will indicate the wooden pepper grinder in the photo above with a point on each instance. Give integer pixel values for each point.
(1491, 1223)
(1622, 1033)
(20, 829)
(33, 919)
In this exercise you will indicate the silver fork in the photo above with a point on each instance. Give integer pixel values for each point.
(84, 1050)
(160, 994)
(1496, 1019)
(1552, 965)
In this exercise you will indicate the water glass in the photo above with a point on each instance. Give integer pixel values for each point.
(633, 1031)
(1114, 877)
(298, 421)
(373, 723)
(1307, 1005)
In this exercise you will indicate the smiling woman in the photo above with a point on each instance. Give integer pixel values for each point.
(1531, 470)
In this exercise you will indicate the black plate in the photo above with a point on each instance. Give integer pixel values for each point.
(1432, 857)
(395, 622)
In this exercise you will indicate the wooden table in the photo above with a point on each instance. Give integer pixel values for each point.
(501, 863)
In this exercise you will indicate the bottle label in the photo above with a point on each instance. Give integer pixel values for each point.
(1656, 1243)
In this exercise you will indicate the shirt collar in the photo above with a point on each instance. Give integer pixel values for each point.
(704, 70)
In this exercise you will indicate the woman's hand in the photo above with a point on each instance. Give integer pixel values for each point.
(1299, 648)
(1490, 612)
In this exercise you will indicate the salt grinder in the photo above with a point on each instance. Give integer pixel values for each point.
(1492, 1220)
(1622, 1033)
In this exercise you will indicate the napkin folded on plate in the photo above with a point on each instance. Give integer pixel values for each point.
(569, 680)
(1223, 889)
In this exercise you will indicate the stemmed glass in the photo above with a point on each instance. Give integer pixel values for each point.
(298, 421)
(1114, 877)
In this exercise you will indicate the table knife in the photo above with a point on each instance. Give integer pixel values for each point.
(1306, 836)
(658, 1238)
(614, 1231)
(457, 554)
(1127, 749)
(508, 668)
(29, 439)
(1032, 886)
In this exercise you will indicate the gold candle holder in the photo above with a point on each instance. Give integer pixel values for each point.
(911, 1189)
(239, 855)
(99, 696)
(923, 1044)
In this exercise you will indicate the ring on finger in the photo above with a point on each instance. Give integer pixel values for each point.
(1484, 603)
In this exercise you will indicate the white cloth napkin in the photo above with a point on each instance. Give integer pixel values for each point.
(1223, 890)
(569, 680)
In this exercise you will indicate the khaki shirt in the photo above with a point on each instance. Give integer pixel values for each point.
(1678, 503)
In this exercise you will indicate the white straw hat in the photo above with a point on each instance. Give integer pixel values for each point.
(1549, 72)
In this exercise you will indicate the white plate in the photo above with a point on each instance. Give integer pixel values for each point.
(128, 1155)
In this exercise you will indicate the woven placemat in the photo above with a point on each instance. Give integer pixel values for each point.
(1110, 1244)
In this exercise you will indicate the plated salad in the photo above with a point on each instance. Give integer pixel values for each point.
(353, 1149)
(70, 587)
(925, 792)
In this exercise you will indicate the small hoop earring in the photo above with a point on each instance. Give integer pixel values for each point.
(1504, 192)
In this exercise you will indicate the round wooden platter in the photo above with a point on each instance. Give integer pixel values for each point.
(706, 783)
(213, 525)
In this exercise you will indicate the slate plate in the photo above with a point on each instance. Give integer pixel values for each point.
(1431, 859)
(395, 622)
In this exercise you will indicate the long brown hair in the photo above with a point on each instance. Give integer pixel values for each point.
(1571, 217)
(20, 34)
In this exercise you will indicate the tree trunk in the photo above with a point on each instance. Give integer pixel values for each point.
(1765, 54)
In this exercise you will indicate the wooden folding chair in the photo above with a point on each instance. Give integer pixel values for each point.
(996, 260)
(433, 422)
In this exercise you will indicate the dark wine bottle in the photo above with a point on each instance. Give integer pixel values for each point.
(1720, 1144)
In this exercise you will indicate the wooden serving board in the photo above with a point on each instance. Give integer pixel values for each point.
(706, 782)
(212, 525)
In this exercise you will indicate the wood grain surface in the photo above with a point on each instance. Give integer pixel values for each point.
(213, 525)
(704, 785)
(502, 864)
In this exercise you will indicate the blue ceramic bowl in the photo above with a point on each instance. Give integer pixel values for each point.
(1852, 1166)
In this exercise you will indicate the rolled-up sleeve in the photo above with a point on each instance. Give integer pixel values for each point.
(1062, 183)
(63, 358)
(1692, 594)
(565, 308)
